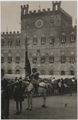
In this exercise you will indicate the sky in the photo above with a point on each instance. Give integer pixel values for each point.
(10, 12)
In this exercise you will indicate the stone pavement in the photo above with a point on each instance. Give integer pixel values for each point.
(56, 108)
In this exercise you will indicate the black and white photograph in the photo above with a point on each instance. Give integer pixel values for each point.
(38, 59)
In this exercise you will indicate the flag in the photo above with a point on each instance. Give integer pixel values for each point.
(27, 65)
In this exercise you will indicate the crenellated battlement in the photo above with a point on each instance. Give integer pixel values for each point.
(25, 9)
(11, 33)
(56, 5)
(26, 12)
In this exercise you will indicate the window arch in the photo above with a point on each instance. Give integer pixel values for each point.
(72, 58)
(63, 58)
(51, 39)
(43, 59)
(51, 59)
(72, 37)
(43, 40)
(9, 58)
(35, 40)
(63, 38)
(17, 71)
(17, 58)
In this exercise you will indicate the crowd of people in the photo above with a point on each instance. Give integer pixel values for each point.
(30, 87)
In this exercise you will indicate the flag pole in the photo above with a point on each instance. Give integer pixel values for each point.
(27, 62)
(25, 55)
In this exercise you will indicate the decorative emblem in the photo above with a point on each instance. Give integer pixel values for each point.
(39, 23)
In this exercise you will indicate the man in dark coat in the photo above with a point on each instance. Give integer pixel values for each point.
(19, 96)
(5, 95)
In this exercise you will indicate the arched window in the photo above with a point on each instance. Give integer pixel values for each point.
(62, 72)
(17, 71)
(9, 59)
(9, 71)
(43, 40)
(43, 60)
(35, 40)
(72, 58)
(72, 37)
(63, 38)
(63, 58)
(17, 59)
(51, 40)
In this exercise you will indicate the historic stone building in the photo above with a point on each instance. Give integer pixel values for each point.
(51, 43)
(12, 53)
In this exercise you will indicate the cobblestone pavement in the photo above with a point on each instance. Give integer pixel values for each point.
(58, 107)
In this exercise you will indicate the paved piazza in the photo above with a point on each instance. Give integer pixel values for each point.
(55, 108)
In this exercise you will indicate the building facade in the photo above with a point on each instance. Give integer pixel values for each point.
(12, 53)
(51, 42)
